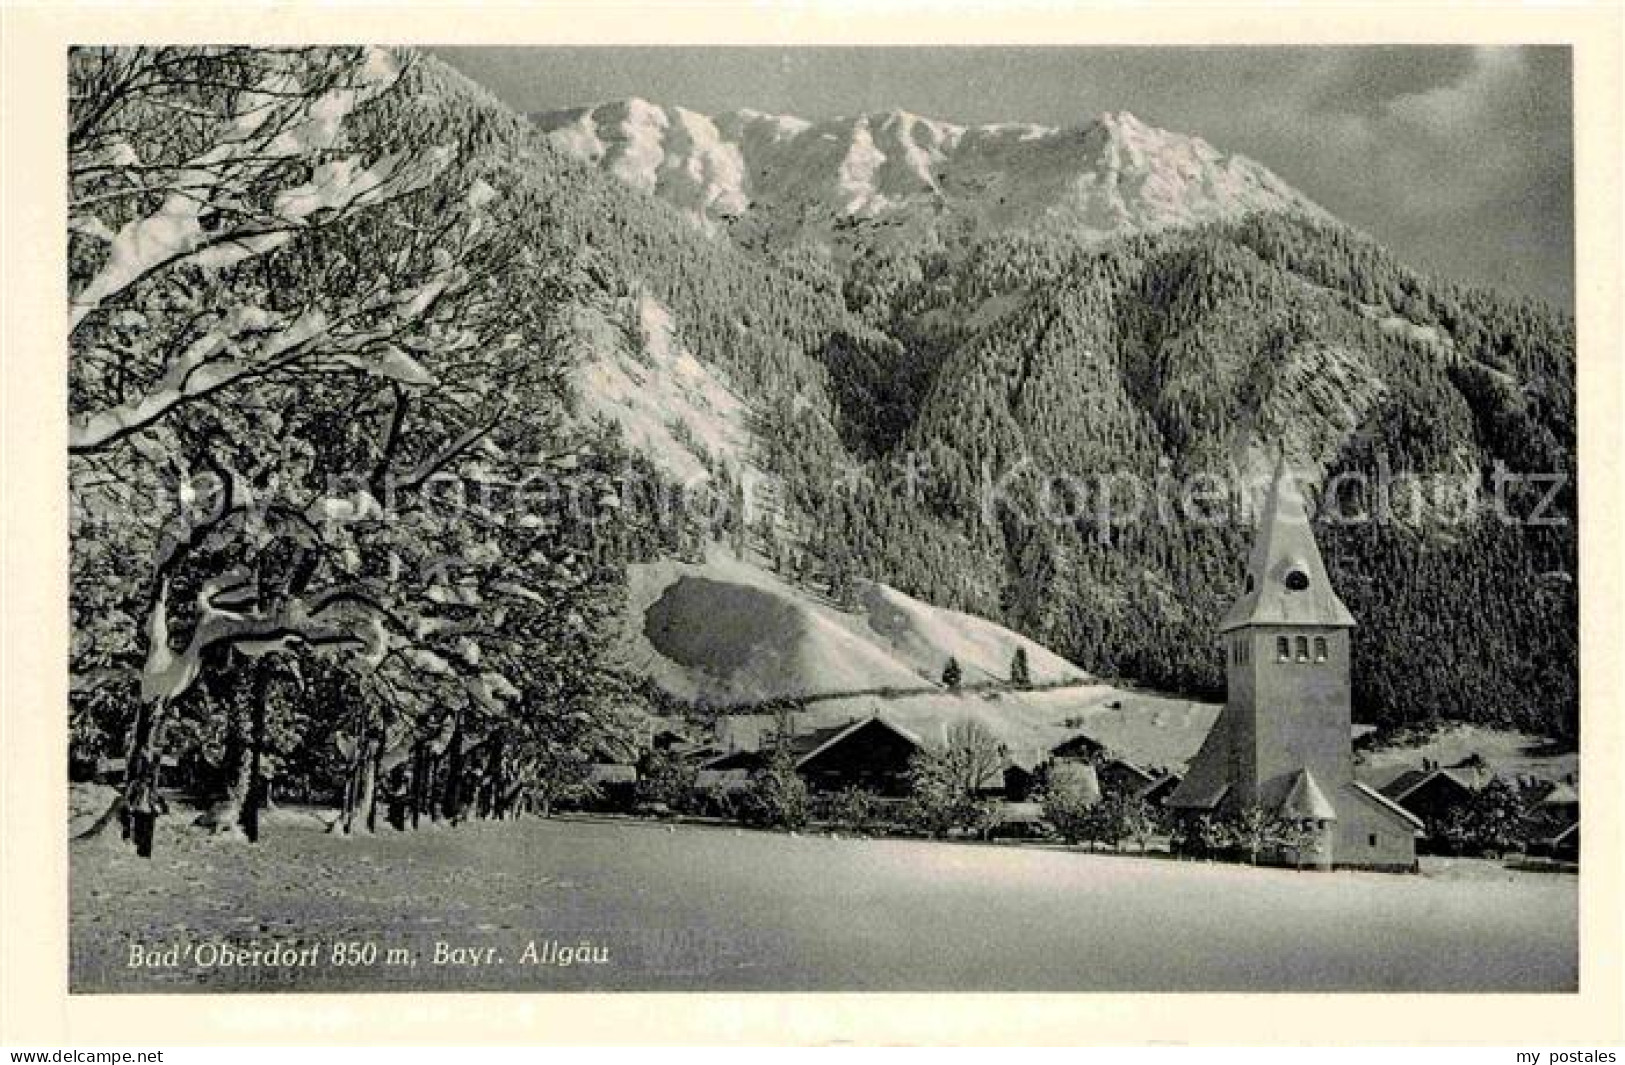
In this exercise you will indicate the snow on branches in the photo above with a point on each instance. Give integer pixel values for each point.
(261, 163)
(289, 294)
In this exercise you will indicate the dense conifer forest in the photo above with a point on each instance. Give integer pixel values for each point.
(379, 295)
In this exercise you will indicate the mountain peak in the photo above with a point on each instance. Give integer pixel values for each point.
(1125, 120)
(895, 175)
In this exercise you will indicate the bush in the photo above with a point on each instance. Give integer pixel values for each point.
(943, 782)
(855, 810)
(1197, 837)
(776, 798)
(1071, 794)
(1492, 822)
(665, 780)
(934, 807)
(1253, 832)
(715, 802)
(1125, 817)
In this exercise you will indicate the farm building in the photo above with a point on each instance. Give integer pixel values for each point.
(1554, 820)
(1434, 796)
(1282, 742)
(1561, 803)
(872, 754)
(868, 753)
(1116, 776)
(1019, 780)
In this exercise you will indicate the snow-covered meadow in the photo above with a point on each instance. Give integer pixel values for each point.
(686, 907)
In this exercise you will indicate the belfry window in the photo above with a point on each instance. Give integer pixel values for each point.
(1320, 648)
(1283, 650)
(1303, 648)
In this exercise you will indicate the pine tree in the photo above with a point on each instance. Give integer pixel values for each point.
(952, 674)
(1020, 673)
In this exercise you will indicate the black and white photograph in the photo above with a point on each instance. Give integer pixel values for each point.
(695, 518)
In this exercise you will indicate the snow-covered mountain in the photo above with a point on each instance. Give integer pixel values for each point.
(783, 180)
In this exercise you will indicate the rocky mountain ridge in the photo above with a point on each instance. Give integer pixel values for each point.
(780, 180)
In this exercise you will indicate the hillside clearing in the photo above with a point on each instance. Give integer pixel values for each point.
(729, 632)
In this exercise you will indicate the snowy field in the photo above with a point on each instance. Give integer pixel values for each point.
(637, 905)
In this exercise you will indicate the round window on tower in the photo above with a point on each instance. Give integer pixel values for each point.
(1297, 580)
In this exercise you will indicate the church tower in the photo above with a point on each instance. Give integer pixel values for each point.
(1283, 741)
(1286, 642)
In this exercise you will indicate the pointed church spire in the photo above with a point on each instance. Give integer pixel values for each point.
(1287, 582)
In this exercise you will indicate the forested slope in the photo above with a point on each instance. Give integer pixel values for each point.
(899, 385)
(330, 322)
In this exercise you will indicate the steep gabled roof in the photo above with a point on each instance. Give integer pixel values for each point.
(1082, 744)
(1386, 803)
(1190, 799)
(1208, 777)
(1284, 551)
(1305, 801)
(1125, 766)
(1411, 781)
(818, 742)
(734, 760)
(1562, 794)
(1405, 783)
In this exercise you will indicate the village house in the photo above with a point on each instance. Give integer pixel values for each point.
(1282, 742)
(1554, 822)
(1444, 795)
(1560, 806)
(1116, 775)
(1435, 795)
(872, 754)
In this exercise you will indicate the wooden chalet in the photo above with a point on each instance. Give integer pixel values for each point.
(872, 754)
(1431, 793)
(869, 753)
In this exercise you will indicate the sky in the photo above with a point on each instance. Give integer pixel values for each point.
(1460, 160)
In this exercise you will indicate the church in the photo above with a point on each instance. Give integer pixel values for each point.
(1282, 742)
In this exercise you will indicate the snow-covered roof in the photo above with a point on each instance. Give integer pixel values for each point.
(841, 734)
(1208, 777)
(1384, 801)
(1306, 801)
(1561, 795)
(1201, 800)
(611, 773)
(728, 780)
(1019, 813)
(1165, 781)
(1409, 782)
